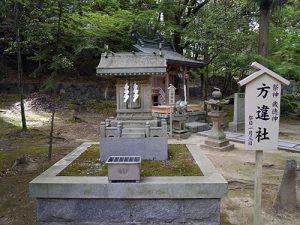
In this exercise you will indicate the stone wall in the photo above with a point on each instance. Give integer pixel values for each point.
(128, 211)
(101, 90)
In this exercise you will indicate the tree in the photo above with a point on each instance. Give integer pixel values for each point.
(20, 68)
(284, 39)
(222, 36)
(177, 16)
(265, 8)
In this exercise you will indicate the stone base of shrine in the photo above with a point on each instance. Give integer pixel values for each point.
(93, 200)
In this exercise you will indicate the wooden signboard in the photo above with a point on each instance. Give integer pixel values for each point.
(262, 109)
(171, 89)
(262, 113)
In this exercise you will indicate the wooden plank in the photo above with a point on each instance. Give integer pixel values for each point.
(258, 187)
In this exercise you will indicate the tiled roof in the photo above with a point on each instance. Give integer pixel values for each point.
(170, 56)
(131, 64)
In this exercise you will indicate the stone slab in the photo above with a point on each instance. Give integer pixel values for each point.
(232, 135)
(228, 147)
(152, 148)
(129, 223)
(241, 138)
(128, 211)
(237, 137)
(297, 146)
(286, 144)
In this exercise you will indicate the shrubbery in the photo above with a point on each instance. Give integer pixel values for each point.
(288, 104)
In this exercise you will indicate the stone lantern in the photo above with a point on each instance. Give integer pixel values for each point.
(216, 138)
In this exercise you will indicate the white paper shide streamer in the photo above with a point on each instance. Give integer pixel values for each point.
(135, 92)
(126, 92)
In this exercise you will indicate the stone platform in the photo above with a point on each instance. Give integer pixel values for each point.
(238, 137)
(152, 148)
(63, 200)
(195, 126)
(137, 138)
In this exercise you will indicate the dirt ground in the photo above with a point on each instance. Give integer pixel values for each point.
(237, 166)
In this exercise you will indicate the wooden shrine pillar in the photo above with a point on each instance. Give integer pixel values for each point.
(167, 81)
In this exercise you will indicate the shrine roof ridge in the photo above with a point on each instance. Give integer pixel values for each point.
(131, 63)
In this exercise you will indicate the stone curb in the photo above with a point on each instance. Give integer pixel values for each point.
(49, 185)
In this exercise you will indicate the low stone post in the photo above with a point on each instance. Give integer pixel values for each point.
(164, 127)
(102, 130)
(120, 127)
(107, 122)
(286, 198)
(147, 127)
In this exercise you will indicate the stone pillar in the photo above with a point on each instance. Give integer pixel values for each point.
(102, 130)
(238, 122)
(286, 198)
(147, 127)
(164, 127)
(120, 127)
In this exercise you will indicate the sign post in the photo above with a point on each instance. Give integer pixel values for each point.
(262, 113)
(171, 89)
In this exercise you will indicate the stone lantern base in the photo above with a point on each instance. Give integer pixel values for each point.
(221, 145)
(216, 138)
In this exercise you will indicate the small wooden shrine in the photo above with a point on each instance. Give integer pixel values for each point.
(133, 73)
(144, 75)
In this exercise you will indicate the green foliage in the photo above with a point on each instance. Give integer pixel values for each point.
(68, 36)
(222, 35)
(284, 54)
(288, 104)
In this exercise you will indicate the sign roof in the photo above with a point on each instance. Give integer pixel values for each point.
(262, 70)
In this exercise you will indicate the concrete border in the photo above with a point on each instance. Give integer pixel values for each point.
(49, 185)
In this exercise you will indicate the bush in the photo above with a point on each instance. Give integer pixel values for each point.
(288, 104)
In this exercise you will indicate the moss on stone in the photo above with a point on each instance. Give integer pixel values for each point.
(179, 163)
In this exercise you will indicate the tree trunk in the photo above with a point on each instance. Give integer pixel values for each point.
(51, 134)
(205, 78)
(226, 88)
(177, 40)
(20, 69)
(264, 28)
(59, 4)
(202, 84)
